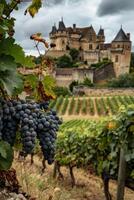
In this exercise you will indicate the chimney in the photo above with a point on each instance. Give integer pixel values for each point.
(128, 35)
(74, 26)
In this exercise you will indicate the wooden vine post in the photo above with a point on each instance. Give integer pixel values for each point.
(121, 175)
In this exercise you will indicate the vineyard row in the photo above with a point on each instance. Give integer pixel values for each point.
(90, 106)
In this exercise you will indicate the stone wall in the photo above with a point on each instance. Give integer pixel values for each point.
(65, 76)
(105, 91)
(104, 73)
(56, 54)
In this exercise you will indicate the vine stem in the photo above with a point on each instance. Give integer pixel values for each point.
(3, 93)
(26, 180)
(12, 9)
(121, 175)
(36, 45)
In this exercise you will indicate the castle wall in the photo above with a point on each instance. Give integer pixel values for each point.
(105, 54)
(121, 57)
(65, 77)
(80, 74)
(91, 57)
(63, 81)
(56, 54)
(74, 43)
(104, 73)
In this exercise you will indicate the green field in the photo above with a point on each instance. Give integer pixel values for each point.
(90, 106)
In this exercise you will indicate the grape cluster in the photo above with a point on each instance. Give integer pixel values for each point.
(44, 105)
(48, 125)
(33, 121)
(27, 114)
(9, 124)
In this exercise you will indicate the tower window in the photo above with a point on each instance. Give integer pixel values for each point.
(118, 46)
(116, 58)
(90, 46)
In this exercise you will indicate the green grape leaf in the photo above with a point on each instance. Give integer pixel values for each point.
(1, 9)
(7, 63)
(6, 155)
(3, 152)
(32, 80)
(9, 77)
(8, 47)
(34, 7)
(49, 83)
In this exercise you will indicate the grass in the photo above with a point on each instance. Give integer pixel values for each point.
(42, 187)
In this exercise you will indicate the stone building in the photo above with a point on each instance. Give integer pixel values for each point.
(92, 47)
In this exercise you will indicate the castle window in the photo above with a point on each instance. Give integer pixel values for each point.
(90, 46)
(118, 46)
(67, 47)
(63, 42)
(116, 58)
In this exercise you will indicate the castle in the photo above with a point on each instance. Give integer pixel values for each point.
(92, 46)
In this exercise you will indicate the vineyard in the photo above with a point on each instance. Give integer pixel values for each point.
(41, 156)
(90, 106)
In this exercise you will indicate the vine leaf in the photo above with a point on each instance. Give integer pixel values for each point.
(8, 47)
(6, 155)
(49, 84)
(1, 9)
(9, 77)
(34, 7)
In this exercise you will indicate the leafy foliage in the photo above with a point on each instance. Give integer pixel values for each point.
(123, 81)
(83, 143)
(11, 54)
(34, 7)
(6, 155)
(61, 91)
(64, 62)
(74, 53)
(101, 64)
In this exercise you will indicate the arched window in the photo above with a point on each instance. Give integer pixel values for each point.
(90, 46)
(116, 58)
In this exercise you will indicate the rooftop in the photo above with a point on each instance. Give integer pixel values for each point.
(121, 36)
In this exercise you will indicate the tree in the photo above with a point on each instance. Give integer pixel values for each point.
(74, 53)
(64, 61)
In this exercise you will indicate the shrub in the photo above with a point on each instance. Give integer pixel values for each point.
(64, 61)
(123, 81)
(61, 91)
(101, 64)
(87, 82)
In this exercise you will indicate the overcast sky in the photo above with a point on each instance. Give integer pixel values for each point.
(110, 14)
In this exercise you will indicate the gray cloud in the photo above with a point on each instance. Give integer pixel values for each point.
(108, 7)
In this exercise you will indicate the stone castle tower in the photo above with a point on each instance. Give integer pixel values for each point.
(92, 47)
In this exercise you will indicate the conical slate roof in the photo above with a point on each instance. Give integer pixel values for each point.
(54, 29)
(121, 36)
(101, 32)
(61, 26)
